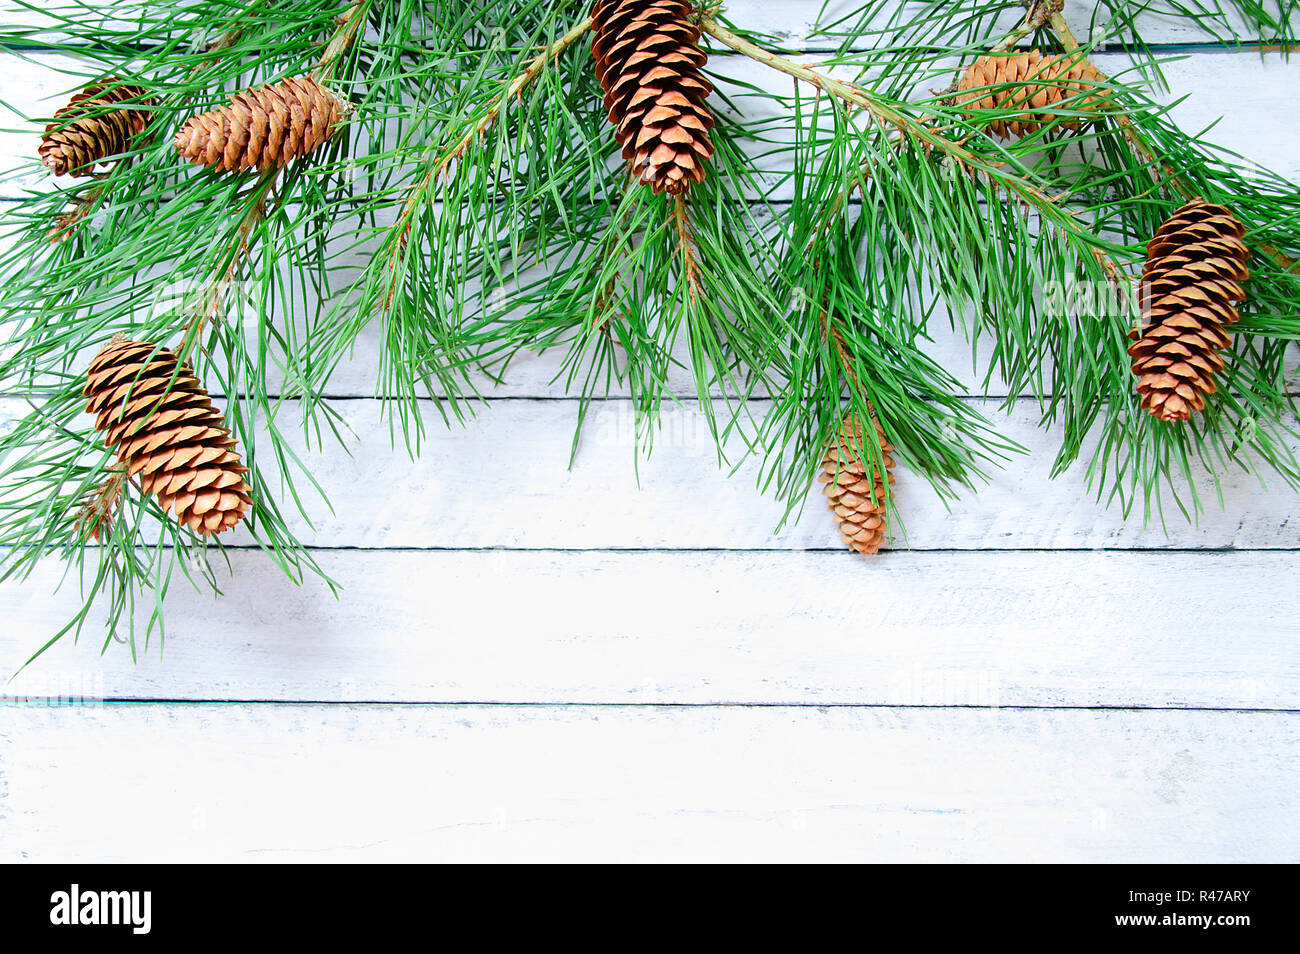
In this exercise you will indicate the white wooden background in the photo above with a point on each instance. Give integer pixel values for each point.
(554, 663)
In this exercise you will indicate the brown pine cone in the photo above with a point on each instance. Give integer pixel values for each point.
(264, 127)
(849, 488)
(648, 62)
(1194, 267)
(1030, 80)
(160, 420)
(92, 126)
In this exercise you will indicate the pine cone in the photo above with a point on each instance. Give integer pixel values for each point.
(92, 127)
(161, 422)
(1194, 267)
(648, 62)
(1058, 78)
(849, 488)
(262, 128)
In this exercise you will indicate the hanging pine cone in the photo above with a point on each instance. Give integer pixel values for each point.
(161, 422)
(1028, 80)
(1194, 267)
(262, 128)
(91, 127)
(648, 62)
(849, 488)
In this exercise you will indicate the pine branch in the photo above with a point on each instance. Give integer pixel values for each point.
(349, 22)
(922, 132)
(346, 27)
(472, 212)
(513, 88)
(1036, 15)
(686, 246)
(1061, 28)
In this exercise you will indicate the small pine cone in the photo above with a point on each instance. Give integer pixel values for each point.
(1058, 78)
(648, 62)
(91, 127)
(1194, 267)
(262, 128)
(161, 422)
(849, 488)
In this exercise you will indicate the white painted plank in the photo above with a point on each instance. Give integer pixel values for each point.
(797, 23)
(505, 480)
(986, 629)
(1240, 95)
(907, 629)
(533, 374)
(265, 783)
(1217, 85)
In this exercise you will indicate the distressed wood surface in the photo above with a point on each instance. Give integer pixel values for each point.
(982, 629)
(791, 701)
(506, 479)
(310, 783)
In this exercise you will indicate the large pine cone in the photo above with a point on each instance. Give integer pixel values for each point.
(161, 422)
(93, 126)
(849, 488)
(1194, 267)
(648, 62)
(262, 128)
(1028, 80)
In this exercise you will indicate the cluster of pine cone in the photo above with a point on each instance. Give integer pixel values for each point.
(152, 410)
(648, 61)
(261, 128)
(170, 439)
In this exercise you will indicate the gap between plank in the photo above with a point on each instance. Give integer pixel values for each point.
(717, 704)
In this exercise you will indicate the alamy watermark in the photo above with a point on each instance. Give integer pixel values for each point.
(53, 688)
(1091, 300)
(919, 686)
(75, 906)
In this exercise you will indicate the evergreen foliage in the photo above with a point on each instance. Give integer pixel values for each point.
(473, 207)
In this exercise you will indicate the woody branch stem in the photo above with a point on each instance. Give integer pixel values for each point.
(1061, 28)
(889, 115)
(515, 86)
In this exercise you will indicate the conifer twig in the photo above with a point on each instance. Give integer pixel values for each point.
(513, 87)
(889, 116)
(1061, 28)
(66, 223)
(210, 302)
(1036, 15)
(346, 27)
(99, 510)
(838, 340)
(686, 245)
